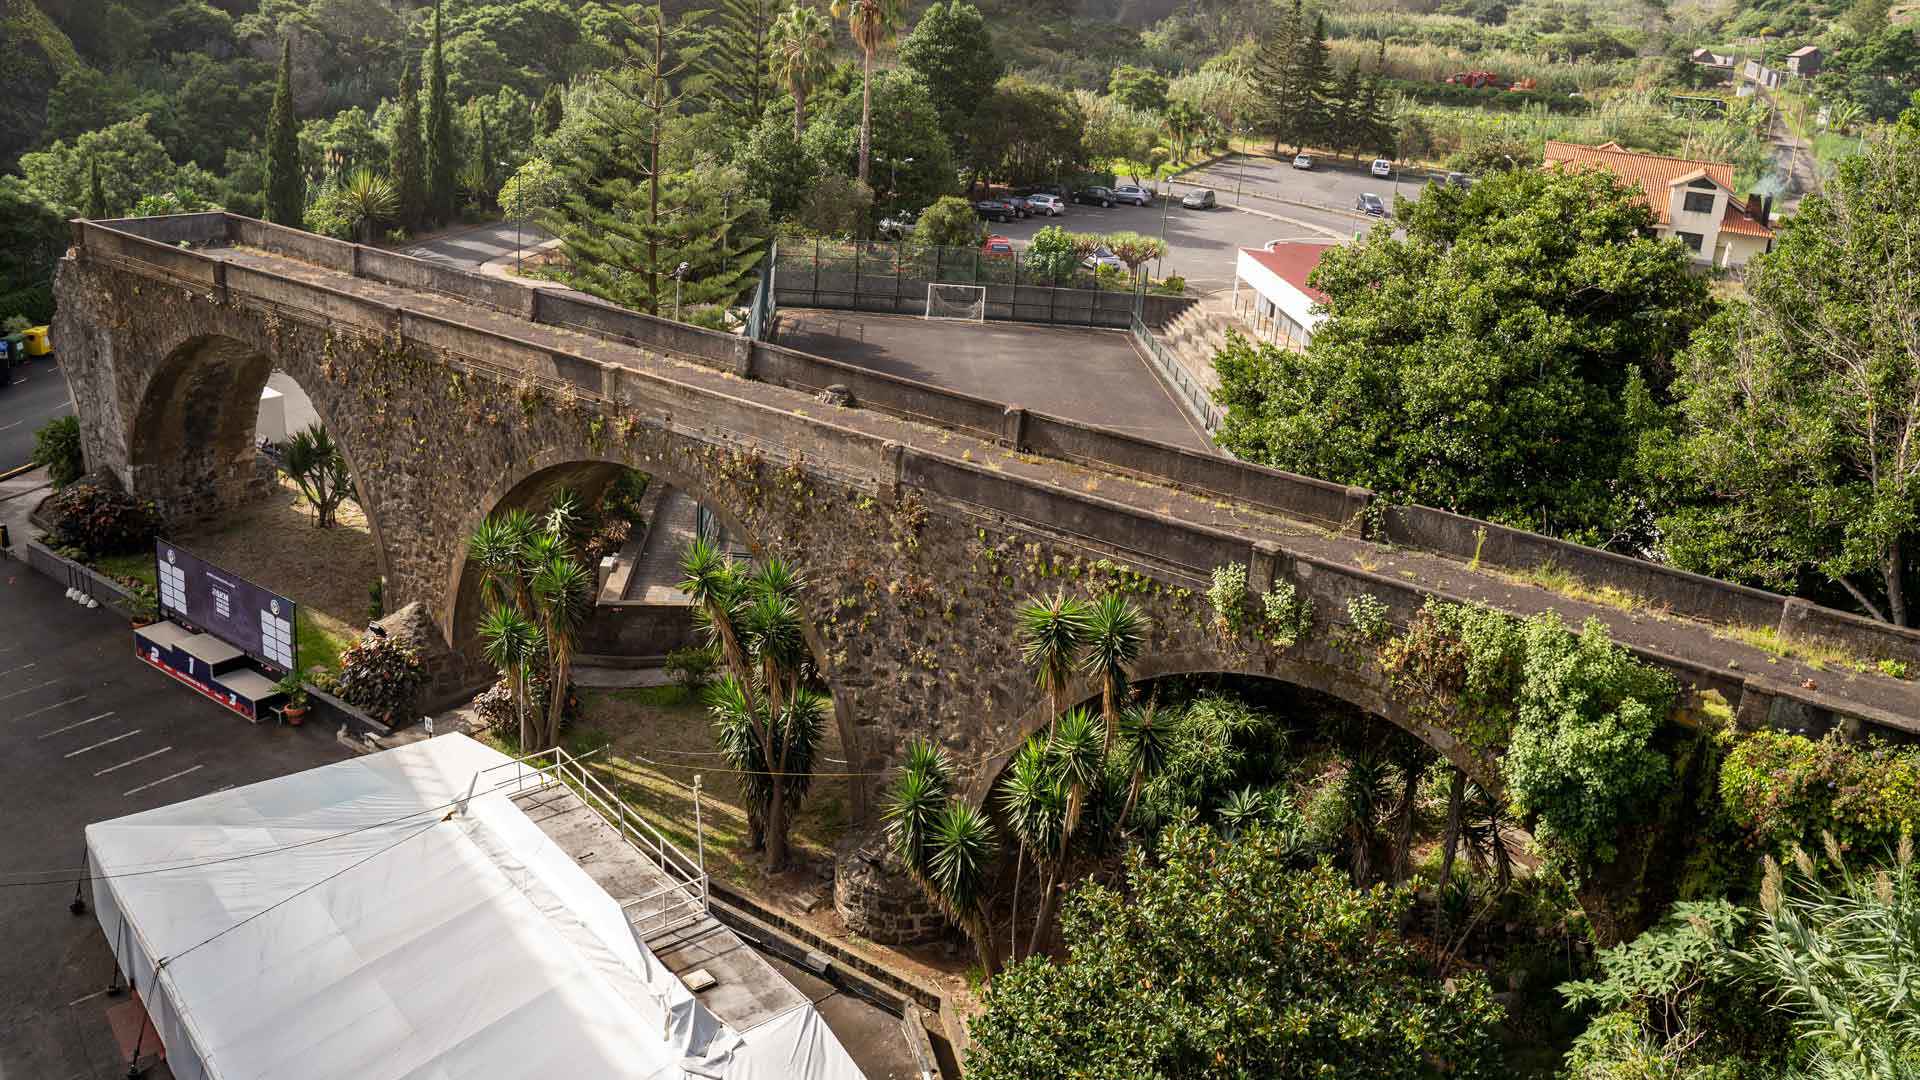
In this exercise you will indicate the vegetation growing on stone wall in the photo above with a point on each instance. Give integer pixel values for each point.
(1784, 790)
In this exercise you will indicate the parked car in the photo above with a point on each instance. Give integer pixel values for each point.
(1370, 205)
(1203, 199)
(995, 209)
(899, 224)
(1094, 196)
(1020, 205)
(1382, 168)
(1302, 161)
(1459, 180)
(1102, 257)
(1043, 203)
(997, 245)
(1058, 191)
(1133, 193)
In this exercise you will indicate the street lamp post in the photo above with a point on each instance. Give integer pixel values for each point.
(679, 275)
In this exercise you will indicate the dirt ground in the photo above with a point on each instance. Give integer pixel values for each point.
(274, 542)
(648, 744)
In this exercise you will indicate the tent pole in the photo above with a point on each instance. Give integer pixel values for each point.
(114, 989)
(78, 904)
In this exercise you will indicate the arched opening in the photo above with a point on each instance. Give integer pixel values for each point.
(644, 719)
(208, 446)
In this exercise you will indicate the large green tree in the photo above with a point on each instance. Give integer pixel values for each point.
(1222, 959)
(34, 230)
(1025, 131)
(872, 23)
(1798, 452)
(404, 159)
(286, 181)
(1498, 361)
(132, 163)
(802, 56)
(736, 62)
(951, 49)
(442, 157)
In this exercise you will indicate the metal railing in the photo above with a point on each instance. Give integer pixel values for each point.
(1193, 397)
(684, 898)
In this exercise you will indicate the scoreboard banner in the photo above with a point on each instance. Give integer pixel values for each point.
(199, 594)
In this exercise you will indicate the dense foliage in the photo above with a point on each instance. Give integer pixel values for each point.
(380, 675)
(1495, 362)
(1788, 789)
(56, 446)
(95, 520)
(1222, 958)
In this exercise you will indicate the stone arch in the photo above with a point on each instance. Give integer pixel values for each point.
(459, 606)
(1353, 683)
(190, 439)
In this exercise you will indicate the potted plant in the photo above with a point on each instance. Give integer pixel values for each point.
(295, 688)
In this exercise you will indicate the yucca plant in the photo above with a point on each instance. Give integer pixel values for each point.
(960, 858)
(1147, 740)
(1052, 631)
(1034, 805)
(1243, 808)
(512, 644)
(562, 590)
(319, 470)
(1116, 630)
(368, 201)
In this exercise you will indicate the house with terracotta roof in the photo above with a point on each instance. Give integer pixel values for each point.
(1693, 201)
(1271, 295)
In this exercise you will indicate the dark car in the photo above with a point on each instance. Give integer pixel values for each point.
(1058, 191)
(995, 210)
(1094, 196)
(1370, 205)
(1020, 205)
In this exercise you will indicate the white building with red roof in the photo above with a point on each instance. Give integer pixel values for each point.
(1693, 201)
(1271, 295)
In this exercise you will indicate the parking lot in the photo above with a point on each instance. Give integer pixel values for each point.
(1201, 244)
(1329, 185)
(88, 733)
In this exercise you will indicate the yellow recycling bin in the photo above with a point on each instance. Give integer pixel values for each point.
(38, 343)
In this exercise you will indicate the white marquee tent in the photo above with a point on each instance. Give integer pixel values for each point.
(368, 920)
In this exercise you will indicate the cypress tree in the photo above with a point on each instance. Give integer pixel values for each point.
(552, 110)
(440, 162)
(1312, 71)
(96, 195)
(1347, 123)
(1378, 130)
(1272, 74)
(403, 161)
(286, 184)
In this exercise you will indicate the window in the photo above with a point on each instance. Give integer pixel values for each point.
(1699, 202)
(1693, 240)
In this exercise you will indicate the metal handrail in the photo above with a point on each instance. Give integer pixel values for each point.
(687, 876)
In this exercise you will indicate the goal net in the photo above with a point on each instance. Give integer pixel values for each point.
(964, 302)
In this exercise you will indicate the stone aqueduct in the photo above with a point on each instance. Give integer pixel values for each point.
(922, 518)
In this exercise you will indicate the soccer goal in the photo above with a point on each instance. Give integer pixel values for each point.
(967, 303)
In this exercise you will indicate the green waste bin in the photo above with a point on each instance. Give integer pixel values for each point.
(13, 351)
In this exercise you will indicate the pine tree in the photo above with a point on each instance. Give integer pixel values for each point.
(1312, 72)
(286, 184)
(96, 195)
(403, 161)
(552, 110)
(1272, 75)
(1373, 110)
(440, 160)
(735, 60)
(625, 224)
(1348, 124)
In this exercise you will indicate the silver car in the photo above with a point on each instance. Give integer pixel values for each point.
(1049, 205)
(1133, 193)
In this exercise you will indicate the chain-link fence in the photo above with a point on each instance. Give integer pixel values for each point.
(893, 277)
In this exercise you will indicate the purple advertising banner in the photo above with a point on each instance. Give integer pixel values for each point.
(228, 606)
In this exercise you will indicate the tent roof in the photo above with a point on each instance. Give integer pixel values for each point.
(360, 920)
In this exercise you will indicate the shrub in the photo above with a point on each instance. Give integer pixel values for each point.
(57, 446)
(949, 222)
(1171, 285)
(1050, 254)
(380, 675)
(1788, 789)
(692, 667)
(97, 521)
(1228, 597)
(1368, 613)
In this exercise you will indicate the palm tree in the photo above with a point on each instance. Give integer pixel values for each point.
(319, 470)
(512, 643)
(1076, 760)
(713, 583)
(1052, 633)
(1035, 808)
(802, 40)
(1116, 630)
(1149, 747)
(562, 590)
(872, 23)
(1366, 790)
(368, 200)
(960, 857)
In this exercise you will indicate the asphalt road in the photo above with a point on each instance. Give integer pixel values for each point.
(473, 245)
(1201, 244)
(88, 733)
(37, 393)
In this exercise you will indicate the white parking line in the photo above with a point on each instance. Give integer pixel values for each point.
(22, 667)
(133, 761)
(50, 708)
(28, 690)
(104, 742)
(162, 780)
(75, 724)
